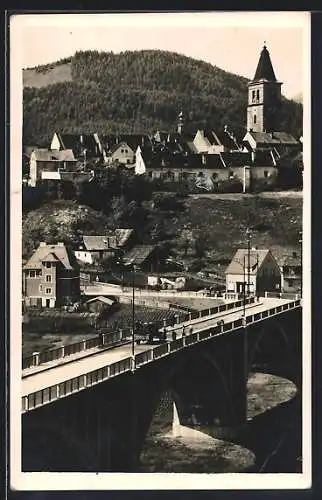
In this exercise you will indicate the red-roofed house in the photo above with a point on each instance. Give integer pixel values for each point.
(50, 277)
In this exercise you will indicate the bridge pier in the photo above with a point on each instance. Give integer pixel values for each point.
(103, 428)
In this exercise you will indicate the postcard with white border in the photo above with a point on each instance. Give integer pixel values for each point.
(160, 251)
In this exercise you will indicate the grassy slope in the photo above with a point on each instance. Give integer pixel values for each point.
(57, 74)
(221, 222)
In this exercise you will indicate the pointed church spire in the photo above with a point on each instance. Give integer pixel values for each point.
(265, 69)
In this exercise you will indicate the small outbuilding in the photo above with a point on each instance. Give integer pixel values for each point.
(99, 304)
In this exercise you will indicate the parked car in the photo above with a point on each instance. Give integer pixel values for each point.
(149, 333)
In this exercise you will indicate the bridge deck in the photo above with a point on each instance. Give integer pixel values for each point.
(99, 359)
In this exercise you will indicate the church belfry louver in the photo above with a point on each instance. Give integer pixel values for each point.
(264, 97)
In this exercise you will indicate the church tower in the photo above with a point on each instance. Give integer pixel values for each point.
(264, 97)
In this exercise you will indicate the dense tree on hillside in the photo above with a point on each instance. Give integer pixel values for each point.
(140, 92)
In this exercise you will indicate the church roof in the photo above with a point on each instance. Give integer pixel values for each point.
(264, 70)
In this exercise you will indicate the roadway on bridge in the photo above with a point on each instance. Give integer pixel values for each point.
(60, 373)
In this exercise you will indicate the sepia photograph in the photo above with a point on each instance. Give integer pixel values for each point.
(160, 250)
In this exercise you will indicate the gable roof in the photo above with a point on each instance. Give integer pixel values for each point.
(270, 138)
(264, 70)
(138, 254)
(49, 253)
(117, 146)
(97, 243)
(105, 300)
(256, 259)
(236, 159)
(53, 155)
(122, 236)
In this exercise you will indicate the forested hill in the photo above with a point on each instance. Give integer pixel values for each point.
(136, 92)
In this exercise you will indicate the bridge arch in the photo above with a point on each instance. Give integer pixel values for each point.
(271, 344)
(200, 388)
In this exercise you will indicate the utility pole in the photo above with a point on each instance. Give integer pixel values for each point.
(244, 288)
(301, 257)
(133, 313)
(248, 260)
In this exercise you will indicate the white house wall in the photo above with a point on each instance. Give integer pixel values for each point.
(83, 256)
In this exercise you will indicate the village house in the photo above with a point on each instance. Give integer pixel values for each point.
(50, 277)
(144, 257)
(95, 248)
(120, 153)
(46, 164)
(260, 266)
(291, 268)
(207, 170)
(84, 146)
(211, 142)
(121, 148)
(279, 142)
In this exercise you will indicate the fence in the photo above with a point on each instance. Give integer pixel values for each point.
(75, 384)
(111, 338)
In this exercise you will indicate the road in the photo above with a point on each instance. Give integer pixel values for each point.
(59, 373)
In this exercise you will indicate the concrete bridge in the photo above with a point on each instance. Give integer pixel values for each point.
(94, 412)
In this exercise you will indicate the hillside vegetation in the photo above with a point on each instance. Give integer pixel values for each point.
(136, 92)
(203, 231)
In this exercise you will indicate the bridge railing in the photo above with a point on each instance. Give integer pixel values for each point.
(80, 382)
(281, 295)
(105, 340)
(112, 338)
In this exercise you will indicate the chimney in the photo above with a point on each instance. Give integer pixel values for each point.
(42, 244)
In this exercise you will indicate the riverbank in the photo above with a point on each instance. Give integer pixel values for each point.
(269, 442)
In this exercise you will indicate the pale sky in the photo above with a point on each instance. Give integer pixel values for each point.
(231, 41)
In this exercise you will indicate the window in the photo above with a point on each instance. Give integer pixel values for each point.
(255, 118)
(128, 161)
(150, 174)
(257, 95)
(266, 173)
(48, 278)
(32, 274)
(40, 288)
(122, 150)
(253, 95)
(48, 291)
(48, 265)
(125, 151)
